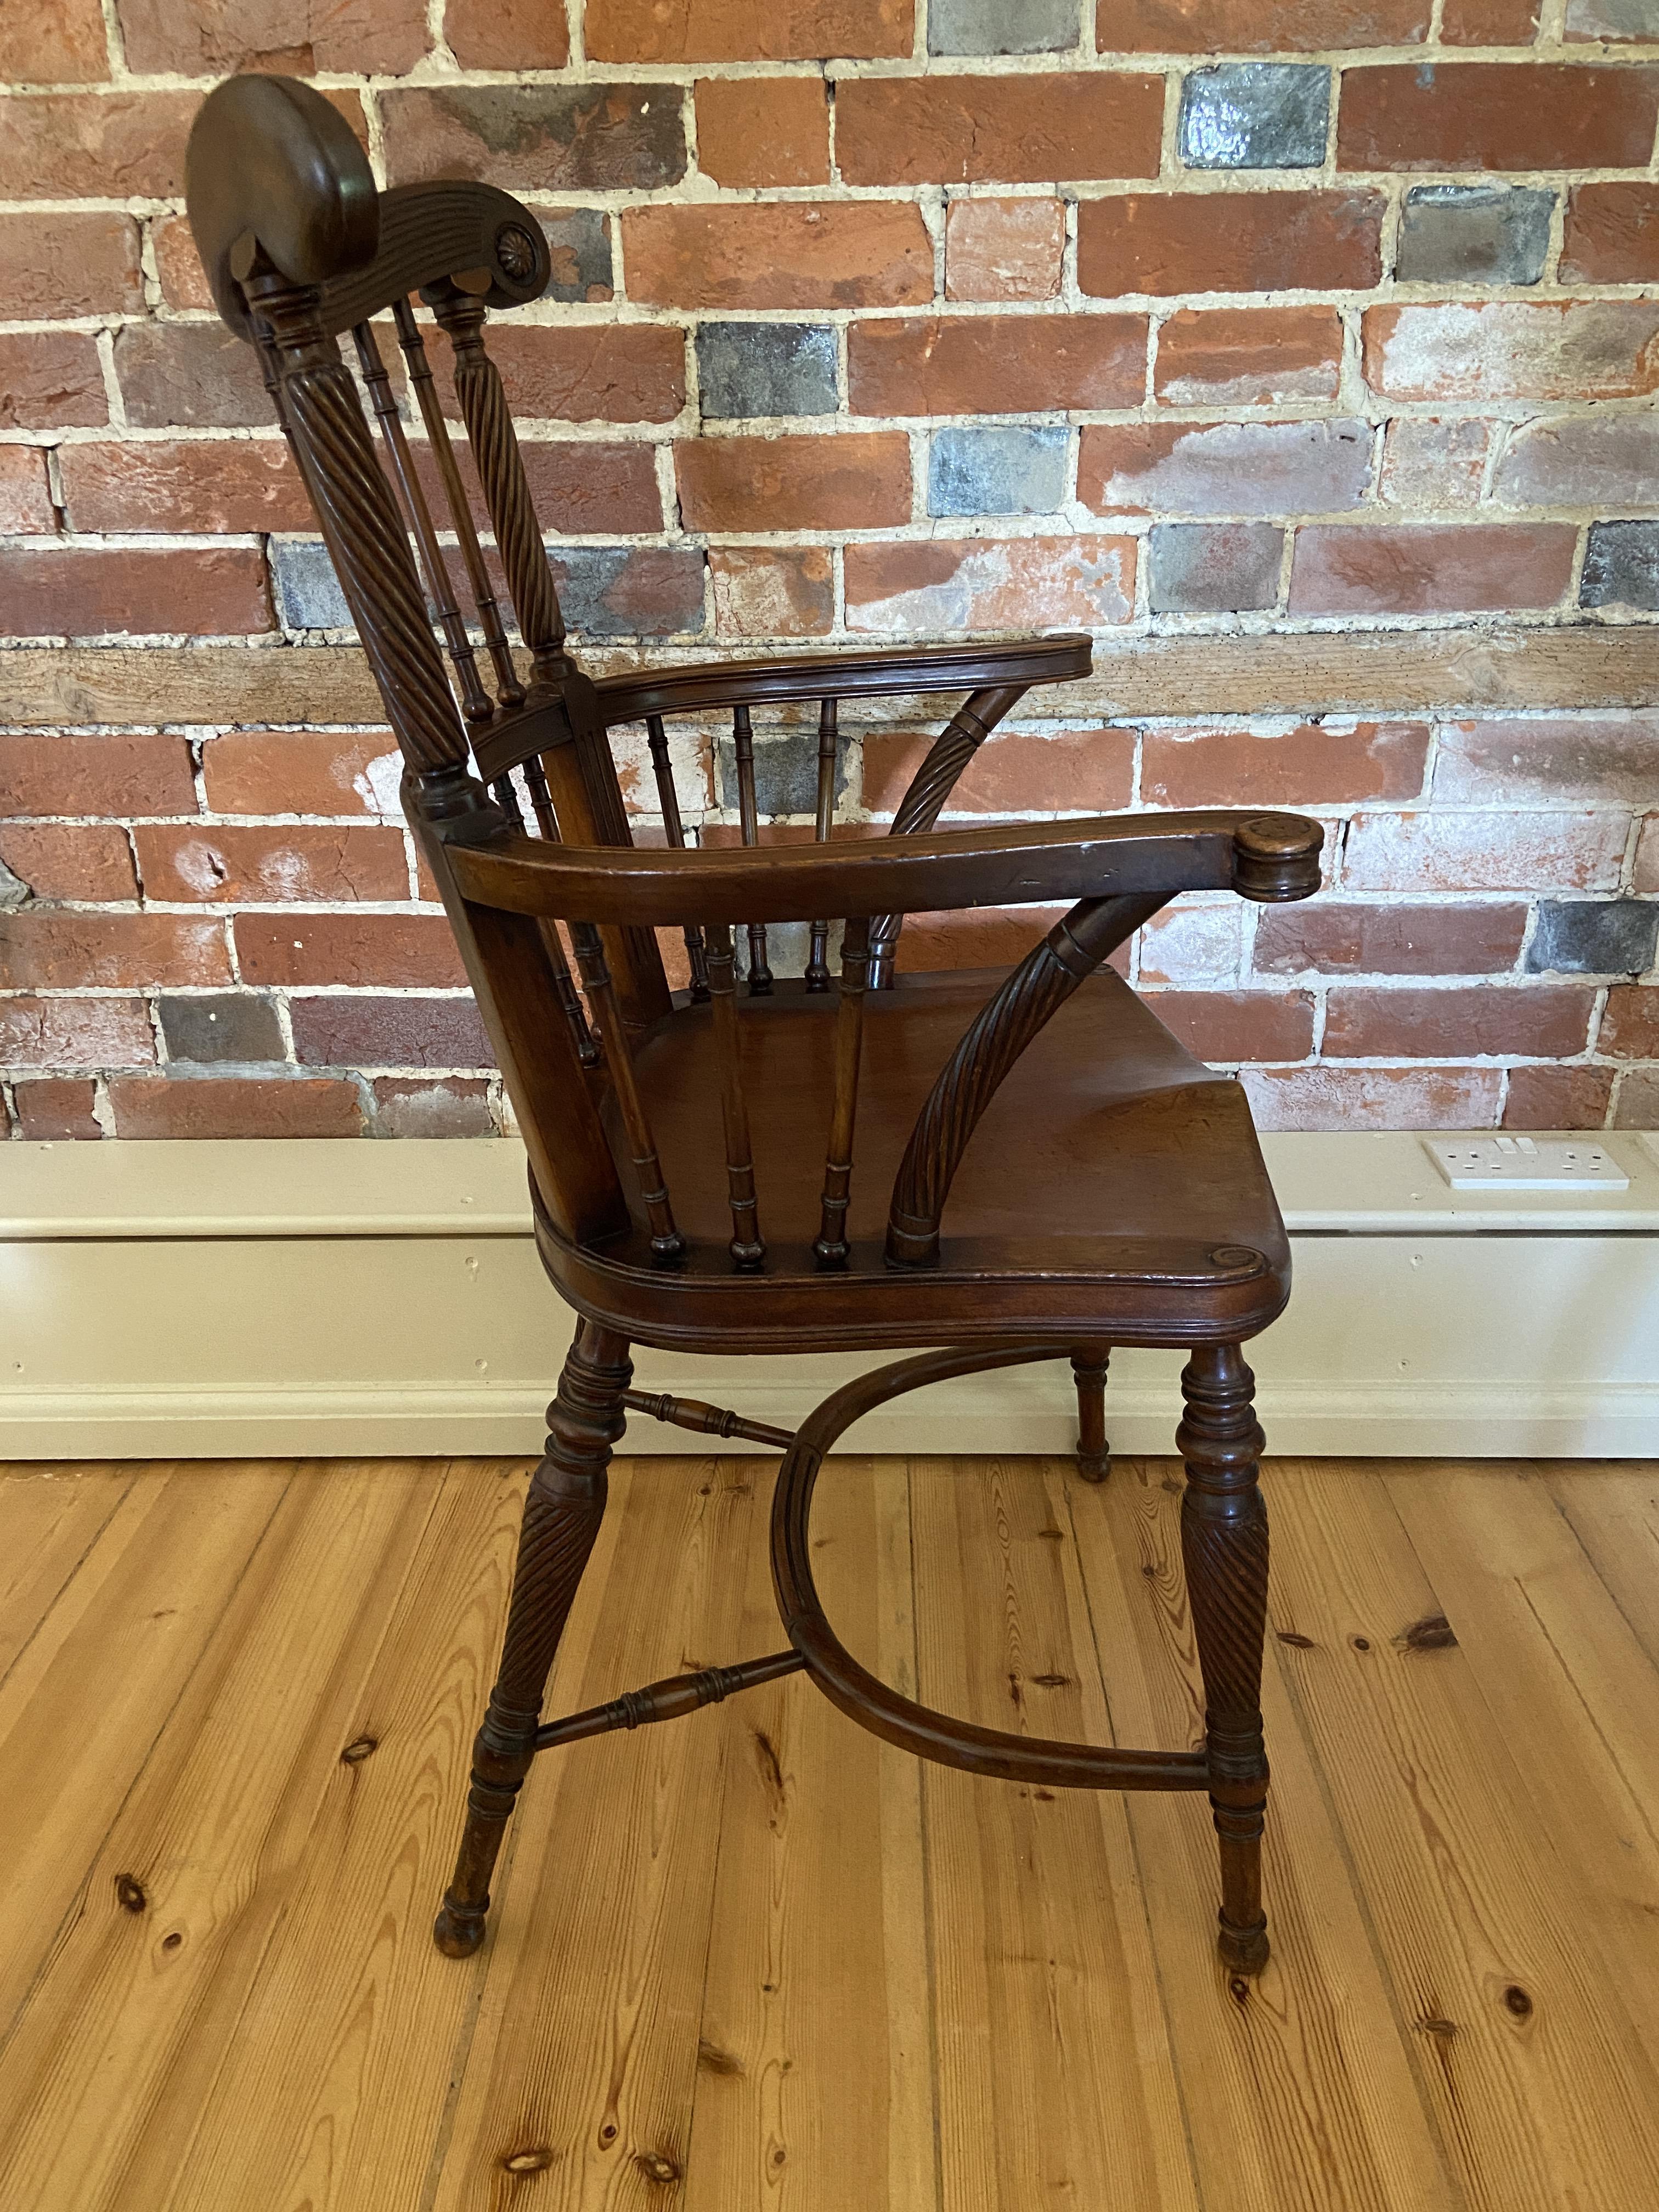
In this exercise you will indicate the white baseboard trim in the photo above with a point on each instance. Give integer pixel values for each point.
(320, 1300)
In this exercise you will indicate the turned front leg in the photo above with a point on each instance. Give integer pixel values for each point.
(1094, 1459)
(562, 1518)
(1224, 1542)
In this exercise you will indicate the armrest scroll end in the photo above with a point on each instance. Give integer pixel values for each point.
(1276, 858)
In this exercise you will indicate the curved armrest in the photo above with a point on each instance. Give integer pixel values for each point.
(1266, 857)
(881, 672)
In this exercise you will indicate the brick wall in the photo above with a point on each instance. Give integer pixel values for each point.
(1192, 321)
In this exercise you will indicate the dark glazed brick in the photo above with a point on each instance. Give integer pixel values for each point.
(579, 241)
(1621, 568)
(389, 1032)
(993, 27)
(997, 469)
(1593, 937)
(747, 369)
(1474, 235)
(1214, 568)
(307, 590)
(541, 138)
(227, 1026)
(626, 591)
(1256, 115)
(786, 773)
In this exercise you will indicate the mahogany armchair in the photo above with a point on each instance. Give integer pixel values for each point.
(1002, 1168)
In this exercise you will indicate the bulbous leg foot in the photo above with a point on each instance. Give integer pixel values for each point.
(1243, 1950)
(458, 1932)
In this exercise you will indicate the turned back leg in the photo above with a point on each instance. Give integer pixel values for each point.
(1094, 1459)
(562, 1518)
(1224, 1541)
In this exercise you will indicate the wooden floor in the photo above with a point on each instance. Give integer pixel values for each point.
(754, 1959)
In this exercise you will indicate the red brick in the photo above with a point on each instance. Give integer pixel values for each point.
(1647, 856)
(354, 1029)
(112, 775)
(1259, 26)
(858, 481)
(506, 34)
(1014, 130)
(50, 379)
(58, 1033)
(1476, 940)
(1608, 758)
(1374, 1098)
(1014, 772)
(763, 130)
(738, 31)
(1408, 1023)
(861, 254)
(122, 145)
(25, 498)
(1307, 766)
(50, 1112)
(1228, 1027)
(1558, 1098)
(539, 138)
(1523, 852)
(385, 951)
(1514, 349)
(1612, 234)
(1490, 22)
(1426, 568)
(158, 1106)
(61, 42)
(1638, 1101)
(55, 949)
(271, 867)
(1248, 356)
(1193, 241)
(1629, 1026)
(196, 374)
(1431, 461)
(65, 262)
(184, 281)
(381, 37)
(1496, 115)
(581, 486)
(986, 937)
(1224, 468)
(195, 484)
(61, 860)
(1194, 942)
(90, 591)
(990, 584)
(447, 1106)
(1001, 364)
(1609, 20)
(592, 372)
(773, 591)
(1003, 249)
(301, 772)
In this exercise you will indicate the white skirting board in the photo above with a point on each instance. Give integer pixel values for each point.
(273, 1299)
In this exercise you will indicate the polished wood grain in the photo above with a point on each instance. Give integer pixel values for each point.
(757, 1958)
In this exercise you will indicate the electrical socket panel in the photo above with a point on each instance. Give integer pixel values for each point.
(1525, 1163)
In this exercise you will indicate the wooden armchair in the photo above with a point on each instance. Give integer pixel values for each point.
(1013, 1168)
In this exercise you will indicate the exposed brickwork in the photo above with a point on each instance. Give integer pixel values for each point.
(1171, 316)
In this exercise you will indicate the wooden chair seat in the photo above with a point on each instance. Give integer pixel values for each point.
(1105, 1173)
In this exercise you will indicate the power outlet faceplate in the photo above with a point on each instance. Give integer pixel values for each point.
(1525, 1163)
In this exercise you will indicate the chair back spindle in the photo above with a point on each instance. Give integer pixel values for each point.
(667, 1245)
(831, 1249)
(743, 748)
(748, 1248)
(668, 800)
(817, 961)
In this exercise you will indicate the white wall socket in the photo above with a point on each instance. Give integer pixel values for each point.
(1525, 1163)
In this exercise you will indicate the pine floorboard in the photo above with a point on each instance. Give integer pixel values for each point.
(756, 1961)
